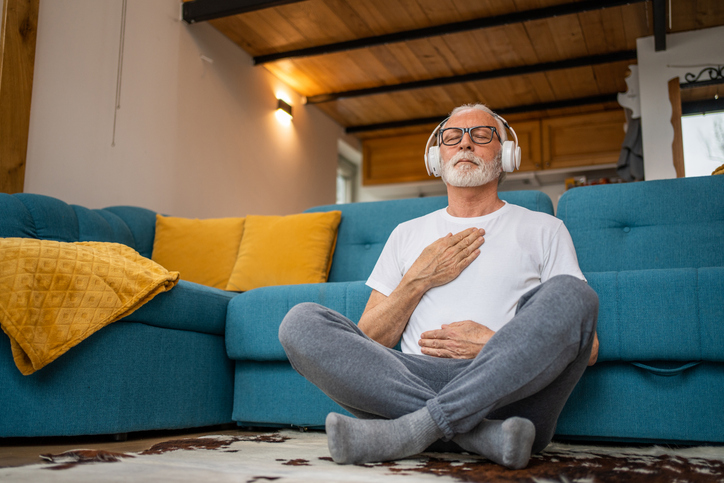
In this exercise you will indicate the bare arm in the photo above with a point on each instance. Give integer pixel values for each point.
(385, 318)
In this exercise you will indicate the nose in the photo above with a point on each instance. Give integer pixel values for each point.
(467, 142)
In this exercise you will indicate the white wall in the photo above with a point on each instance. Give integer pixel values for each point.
(685, 52)
(192, 138)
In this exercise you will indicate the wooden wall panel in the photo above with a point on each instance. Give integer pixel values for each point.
(17, 59)
(584, 140)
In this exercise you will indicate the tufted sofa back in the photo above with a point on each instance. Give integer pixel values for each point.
(36, 216)
(365, 227)
(675, 223)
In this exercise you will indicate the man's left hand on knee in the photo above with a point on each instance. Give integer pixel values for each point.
(459, 340)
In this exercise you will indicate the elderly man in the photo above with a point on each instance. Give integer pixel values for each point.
(495, 319)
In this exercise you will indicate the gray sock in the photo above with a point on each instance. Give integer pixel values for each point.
(353, 440)
(507, 443)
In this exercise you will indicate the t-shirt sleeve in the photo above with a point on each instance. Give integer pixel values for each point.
(388, 272)
(561, 259)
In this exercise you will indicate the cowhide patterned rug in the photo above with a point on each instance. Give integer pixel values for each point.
(290, 456)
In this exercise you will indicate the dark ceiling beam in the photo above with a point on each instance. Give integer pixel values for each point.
(581, 101)
(478, 76)
(659, 7)
(202, 10)
(475, 24)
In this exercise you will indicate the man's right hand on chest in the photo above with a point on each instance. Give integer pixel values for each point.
(443, 260)
(385, 318)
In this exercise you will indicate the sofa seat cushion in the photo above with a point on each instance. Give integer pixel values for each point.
(188, 306)
(254, 317)
(660, 315)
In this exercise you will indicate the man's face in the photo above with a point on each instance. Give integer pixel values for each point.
(468, 164)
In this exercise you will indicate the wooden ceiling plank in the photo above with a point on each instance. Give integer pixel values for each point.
(519, 39)
(430, 58)
(614, 32)
(542, 87)
(594, 34)
(347, 16)
(557, 11)
(541, 37)
(568, 36)
(611, 77)
(636, 20)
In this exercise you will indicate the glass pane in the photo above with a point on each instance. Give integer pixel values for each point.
(341, 189)
(703, 137)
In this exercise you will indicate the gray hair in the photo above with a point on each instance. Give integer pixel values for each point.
(482, 107)
(499, 121)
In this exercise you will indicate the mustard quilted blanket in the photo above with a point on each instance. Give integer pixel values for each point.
(53, 295)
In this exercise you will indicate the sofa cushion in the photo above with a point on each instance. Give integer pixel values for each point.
(102, 226)
(203, 251)
(365, 227)
(254, 317)
(654, 315)
(16, 221)
(676, 223)
(27, 215)
(52, 218)
(284, 250)
(142, 224)
(188, 306)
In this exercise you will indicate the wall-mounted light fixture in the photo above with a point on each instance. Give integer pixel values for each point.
(284, 111)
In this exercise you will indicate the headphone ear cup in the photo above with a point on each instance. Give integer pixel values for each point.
(508, 156)
(432, 161)
(518, 156)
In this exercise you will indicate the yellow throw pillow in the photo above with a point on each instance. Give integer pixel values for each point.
(285, 250)
(204, 251)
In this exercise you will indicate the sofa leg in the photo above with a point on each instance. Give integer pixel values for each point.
(119, 437)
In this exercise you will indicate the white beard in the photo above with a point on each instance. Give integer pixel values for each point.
(467, 176)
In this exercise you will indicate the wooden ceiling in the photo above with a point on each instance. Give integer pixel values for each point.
(527, 68)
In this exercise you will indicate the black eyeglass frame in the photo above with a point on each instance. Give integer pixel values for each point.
(468, 130)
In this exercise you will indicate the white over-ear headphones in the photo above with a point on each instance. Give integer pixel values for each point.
(510, 153)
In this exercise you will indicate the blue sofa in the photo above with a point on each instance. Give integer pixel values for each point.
(197, 356)
(163, 367)
(653, 251)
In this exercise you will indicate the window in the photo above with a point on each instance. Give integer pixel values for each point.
(346, 180)
(703, 136)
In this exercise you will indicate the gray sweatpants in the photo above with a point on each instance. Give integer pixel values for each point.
(527, 369)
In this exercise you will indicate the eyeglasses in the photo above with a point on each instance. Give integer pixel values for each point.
(450, 136)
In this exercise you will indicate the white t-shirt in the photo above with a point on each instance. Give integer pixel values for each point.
(522, 249)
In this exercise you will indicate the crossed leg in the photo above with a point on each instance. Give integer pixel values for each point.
(529, 367)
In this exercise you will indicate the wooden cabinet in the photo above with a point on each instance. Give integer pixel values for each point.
(553, 143)
(583, 140)
(396, 159)
(529, 140)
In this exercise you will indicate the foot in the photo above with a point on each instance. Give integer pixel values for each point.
(353, 440)
(507, 443)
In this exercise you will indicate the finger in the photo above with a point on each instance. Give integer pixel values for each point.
(462, 235)
(434, 334)
(437, 353)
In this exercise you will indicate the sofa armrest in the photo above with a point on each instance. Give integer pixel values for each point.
(187, 306)
(253, 318)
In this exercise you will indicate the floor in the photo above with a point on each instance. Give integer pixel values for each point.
(26, 451)
(230, 454)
